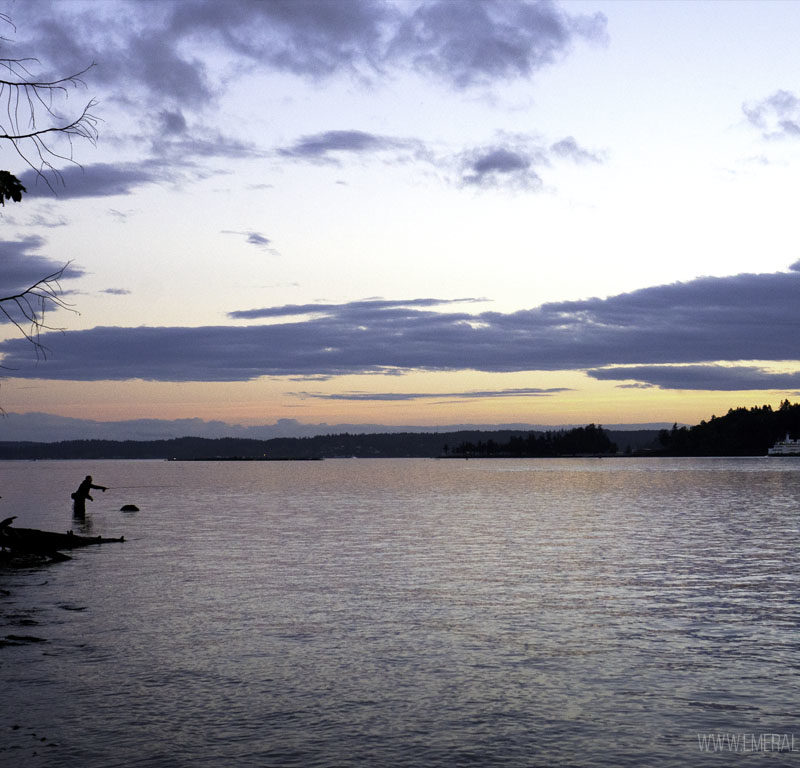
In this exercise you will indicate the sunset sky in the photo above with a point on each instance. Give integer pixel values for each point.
(413, 213)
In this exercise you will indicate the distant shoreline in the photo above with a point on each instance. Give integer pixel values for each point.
(364, 445)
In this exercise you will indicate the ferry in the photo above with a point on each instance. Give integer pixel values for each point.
(785, 447)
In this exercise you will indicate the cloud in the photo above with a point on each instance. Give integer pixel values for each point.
(512, 161)
(404, 396)
(499, 166)
(175, 141)
(116, 291)
(21, 267)
(476, 43)
(700, 377)
(330, 146)
(515, 160)
(38, 220)
(570, 149)
(253, 238)
(94, 180)
(140, 56)
(363, 308)
(776, 116)
(20, 271)
(460, 43)
(120, 217)
(182, 52)
(711, 319)
(204, 145)
(108, 180)
(312, 38)
(172, 122)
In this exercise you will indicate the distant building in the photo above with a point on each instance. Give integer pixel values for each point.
(785, 447)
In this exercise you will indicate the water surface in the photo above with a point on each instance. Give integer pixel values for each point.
(405, 613)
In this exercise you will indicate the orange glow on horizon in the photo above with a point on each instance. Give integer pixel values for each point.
(438, 400)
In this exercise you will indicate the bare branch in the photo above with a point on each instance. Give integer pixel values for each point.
(27, 310)
(30, 122)
(24, 101)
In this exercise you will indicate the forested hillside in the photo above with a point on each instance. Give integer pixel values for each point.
(740, 432)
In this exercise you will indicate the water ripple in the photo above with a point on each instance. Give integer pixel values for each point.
(412, 613)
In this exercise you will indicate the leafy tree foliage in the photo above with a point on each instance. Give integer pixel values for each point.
(741, 432)
(10, 188)
(589, 440)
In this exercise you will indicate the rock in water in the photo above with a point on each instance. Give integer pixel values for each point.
(129, 508)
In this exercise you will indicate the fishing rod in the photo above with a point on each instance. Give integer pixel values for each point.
(128, 487)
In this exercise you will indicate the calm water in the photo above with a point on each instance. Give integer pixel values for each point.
(407, 613)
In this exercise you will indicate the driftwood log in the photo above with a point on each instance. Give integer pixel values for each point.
(29, 541)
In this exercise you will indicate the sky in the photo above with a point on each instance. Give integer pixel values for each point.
(427, 213)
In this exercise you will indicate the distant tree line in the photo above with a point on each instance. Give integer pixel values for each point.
(589, 440)
(584, 440)
(741, 432)
(176, 448)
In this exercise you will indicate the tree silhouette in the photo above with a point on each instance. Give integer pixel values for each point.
(31, 124)
(27, 308)
(740, 432)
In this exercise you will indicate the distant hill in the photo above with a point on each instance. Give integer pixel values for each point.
(363, 445)
(741, 432)
(50, 428)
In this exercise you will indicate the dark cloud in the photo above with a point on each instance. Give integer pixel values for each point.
(472, 394)
(334, 141)
(499, 161)
(170, 53)
(173, 136)
(700, 377)
(511, 162)
(116, 291)
(95, 180)
(139, 59)
(469, 43)
(776, 116)
(330, 145)
(499, 166)
(463, 43)
(254, 238)
(210, 146)
(21, 266)
(361, 308)
(307, 37)
(172, 122)
(175, 142)
(739, 318)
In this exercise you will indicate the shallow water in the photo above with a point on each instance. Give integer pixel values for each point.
(406, 613)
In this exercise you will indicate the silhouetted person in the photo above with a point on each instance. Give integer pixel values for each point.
(82, 494)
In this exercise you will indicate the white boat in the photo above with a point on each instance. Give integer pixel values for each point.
(787, 447)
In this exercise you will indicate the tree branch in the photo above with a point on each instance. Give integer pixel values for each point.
(27, 309)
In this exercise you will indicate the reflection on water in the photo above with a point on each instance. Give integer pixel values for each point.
(407, 613)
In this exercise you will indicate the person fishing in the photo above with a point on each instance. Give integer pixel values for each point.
(80, 496)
